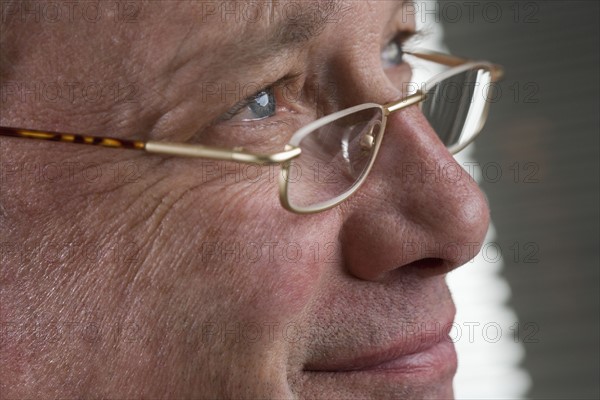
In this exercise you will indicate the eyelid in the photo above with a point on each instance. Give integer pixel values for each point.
(233, 111)
(402, 37)
(286, 81)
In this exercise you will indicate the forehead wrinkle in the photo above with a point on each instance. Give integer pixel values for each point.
(309, 23)
(245, 48)
(252, 42)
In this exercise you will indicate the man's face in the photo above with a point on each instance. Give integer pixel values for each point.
(203, 286)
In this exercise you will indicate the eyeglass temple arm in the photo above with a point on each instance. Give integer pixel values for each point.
(214, 153)
(405, 102)
(176, 149)
(454, 61)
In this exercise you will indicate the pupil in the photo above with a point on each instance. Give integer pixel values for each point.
(263, 104)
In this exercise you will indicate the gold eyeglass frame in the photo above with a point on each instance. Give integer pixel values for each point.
(291, 150)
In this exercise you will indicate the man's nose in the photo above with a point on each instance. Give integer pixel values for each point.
(416, 207)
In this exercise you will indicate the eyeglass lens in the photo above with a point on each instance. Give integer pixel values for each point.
(336, 156)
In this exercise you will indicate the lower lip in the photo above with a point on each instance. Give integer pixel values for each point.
(433, 363)
(439, 359)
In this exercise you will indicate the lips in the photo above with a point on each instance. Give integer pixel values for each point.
(437, 354)
(403, 358)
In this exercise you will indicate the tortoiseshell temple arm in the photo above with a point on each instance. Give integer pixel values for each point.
(165, 148)
(73, 138)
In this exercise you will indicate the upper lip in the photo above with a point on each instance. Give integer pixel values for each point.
(400, 346)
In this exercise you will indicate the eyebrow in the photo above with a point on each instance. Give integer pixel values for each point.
(291, 28)
(309, 23)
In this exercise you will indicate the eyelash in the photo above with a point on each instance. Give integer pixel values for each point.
(398, 40)
(287, 83)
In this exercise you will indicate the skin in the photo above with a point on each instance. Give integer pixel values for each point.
(170, 314)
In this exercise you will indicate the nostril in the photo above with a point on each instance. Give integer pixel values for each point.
(427, 263)
(428, 267)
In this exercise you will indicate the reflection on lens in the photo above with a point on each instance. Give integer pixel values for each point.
(455, 106)
(334, 158)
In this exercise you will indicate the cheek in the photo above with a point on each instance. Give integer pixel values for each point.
(263, 261)
(287, 263)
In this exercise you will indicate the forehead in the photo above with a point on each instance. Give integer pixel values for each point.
(199, 39)
(291, 19)
(310, 14)
(220, 35)
(277, 24)
(231, 29)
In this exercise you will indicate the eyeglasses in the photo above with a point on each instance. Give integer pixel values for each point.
(327, 160)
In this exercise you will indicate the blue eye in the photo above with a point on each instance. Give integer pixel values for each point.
(392, 54)
(259, 106)
(263, 104)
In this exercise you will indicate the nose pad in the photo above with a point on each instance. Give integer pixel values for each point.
(367, 141)
(356, 151)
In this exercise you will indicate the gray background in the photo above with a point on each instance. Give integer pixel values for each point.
(543, 133)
